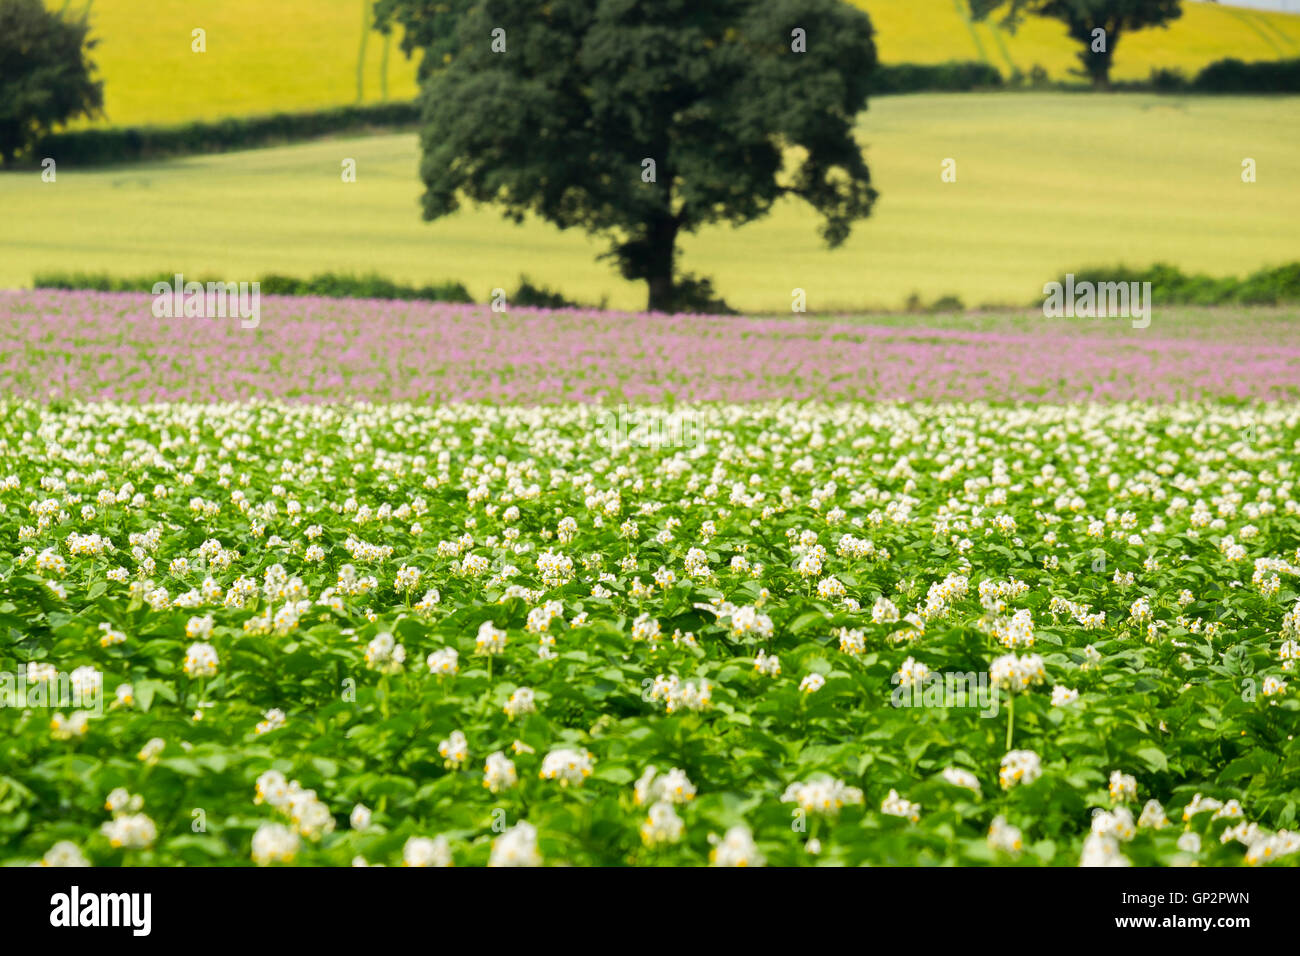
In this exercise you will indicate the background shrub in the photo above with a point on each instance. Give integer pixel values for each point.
(1234, 76)
(951, 77)
(97, 147)
(1171, 286)
(327, 284)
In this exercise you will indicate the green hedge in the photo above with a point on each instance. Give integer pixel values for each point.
(1171, 286)
(93, 147)
(1225, 76)
(951, 77)
(328, 284)
(1221, 76)
(98, 147)
(1234, 76)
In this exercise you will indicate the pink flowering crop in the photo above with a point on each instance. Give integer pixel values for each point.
(109, 346)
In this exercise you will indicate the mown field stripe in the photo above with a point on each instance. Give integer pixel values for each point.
(963, 11)
(361, 54)
(1250, 22)
(1268, 24)
(1002, 46)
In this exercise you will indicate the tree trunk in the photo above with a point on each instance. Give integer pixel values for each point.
(1096, 64)
(1099, 66)
(661, 241)
(661, 294)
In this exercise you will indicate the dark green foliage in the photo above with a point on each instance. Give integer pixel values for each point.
(952, 77)
(45, 73)
(540, 297)
(328, 285)
(1171, 286)
(560, 123)
(430, 27)
(948, 303)
(97, 147)
(693, 293)
(1234, 76)
(1167, 81)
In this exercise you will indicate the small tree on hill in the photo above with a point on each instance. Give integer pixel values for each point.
(45, 73)
(1097, 24)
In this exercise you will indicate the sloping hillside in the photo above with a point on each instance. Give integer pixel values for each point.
(262, 56)
(932, 31)
(269, 55)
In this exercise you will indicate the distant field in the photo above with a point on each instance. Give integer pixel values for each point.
(109, 346)
(932, 31)
(1046, 182)
(262, 56)
(269, 55)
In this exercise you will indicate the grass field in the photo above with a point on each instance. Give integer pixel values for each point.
(1046, 183)
(266, 56)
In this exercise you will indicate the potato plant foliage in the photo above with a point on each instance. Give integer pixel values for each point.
(393, 634)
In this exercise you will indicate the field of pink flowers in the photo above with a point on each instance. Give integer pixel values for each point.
(109, 346)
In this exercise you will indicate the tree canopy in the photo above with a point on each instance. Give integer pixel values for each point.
(640, 120)
(45, 73)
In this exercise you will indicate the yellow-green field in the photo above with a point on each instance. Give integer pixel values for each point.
(269, 55)
(262, 56)
(1046, 182)
(933, 31)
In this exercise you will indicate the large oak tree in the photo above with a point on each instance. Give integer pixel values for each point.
(738, 103)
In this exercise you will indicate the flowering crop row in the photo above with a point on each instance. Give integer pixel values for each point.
(109, 346)
(325, 634)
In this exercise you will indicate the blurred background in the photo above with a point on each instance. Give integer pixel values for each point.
(225, 123)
